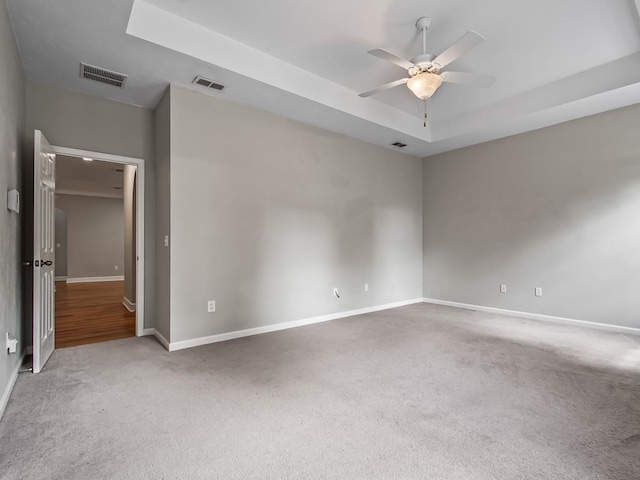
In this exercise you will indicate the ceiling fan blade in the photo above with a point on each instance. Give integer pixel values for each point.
(460, 46)
(390, 57)
(468, 78)
(386, 86)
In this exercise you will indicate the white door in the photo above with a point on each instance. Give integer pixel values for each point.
(44, 168)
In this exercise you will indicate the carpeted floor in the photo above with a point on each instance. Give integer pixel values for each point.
(419, 392)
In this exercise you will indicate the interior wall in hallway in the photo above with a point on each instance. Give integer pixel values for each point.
(61, 244)
(129, 190)
(95, 235)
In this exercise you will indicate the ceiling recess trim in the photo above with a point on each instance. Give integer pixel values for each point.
(164, 28)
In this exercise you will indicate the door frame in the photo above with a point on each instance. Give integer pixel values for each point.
(139, 163)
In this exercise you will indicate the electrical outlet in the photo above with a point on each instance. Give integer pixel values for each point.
(116, 267)
(166, 240)
(503, 288)
(538, 291)
(211, 306)
(366, 287)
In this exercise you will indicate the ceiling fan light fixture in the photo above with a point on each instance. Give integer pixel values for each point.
(424, 84)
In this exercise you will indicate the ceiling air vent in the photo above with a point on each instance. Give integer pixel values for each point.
(101, 75)
(399, 144)
(205, 82)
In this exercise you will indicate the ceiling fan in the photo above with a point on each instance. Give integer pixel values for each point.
(425, 70)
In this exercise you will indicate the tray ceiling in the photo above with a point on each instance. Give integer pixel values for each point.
(554, 61)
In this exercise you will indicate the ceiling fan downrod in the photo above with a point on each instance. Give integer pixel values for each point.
(422, 24)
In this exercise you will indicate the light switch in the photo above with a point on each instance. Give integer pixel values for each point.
(13, 201)
(166, 240)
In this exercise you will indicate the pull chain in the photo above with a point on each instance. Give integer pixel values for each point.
(425, 114)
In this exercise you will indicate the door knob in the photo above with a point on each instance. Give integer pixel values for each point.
(47, 263)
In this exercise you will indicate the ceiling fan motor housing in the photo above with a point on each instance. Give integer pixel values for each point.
(424, 61)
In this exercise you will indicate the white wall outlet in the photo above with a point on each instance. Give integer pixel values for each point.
(116, 267)
(211, 306)
(538, 291)
(366, 287)
(503, 288)
(335, 292)
(166, 240)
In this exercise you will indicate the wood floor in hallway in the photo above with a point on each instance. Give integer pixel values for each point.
(91, 313)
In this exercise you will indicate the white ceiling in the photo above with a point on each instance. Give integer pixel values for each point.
(307, 60)
(75, 176)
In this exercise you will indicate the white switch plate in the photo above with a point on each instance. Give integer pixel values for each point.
(13, 201)
(166, 240)
(12, 344)
(211, 306)
(366, 287)
(503, 288)
(538, 291)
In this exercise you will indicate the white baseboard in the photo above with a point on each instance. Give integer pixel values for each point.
(165, 343)
(4, 400)
(128, 304)
(61, 278)
(222, 337)
(158, 335)
(537, 316)
(95, 279)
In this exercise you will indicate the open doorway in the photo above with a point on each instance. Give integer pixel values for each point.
(98, 247)
(94, 251)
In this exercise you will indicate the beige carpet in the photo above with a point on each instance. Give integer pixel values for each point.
(419, 392)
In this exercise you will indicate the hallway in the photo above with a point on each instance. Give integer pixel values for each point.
(91, 313)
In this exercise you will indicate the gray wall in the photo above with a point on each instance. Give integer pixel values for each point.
(12, 115)
(555, 208)
(129, 187)
(163, 220)
(268, 215)
(61, 243)
(77, 120)
(95, 235)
